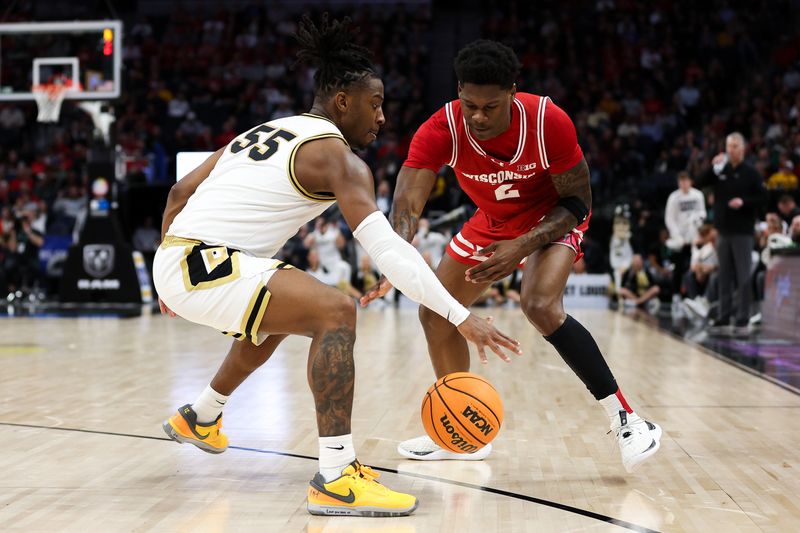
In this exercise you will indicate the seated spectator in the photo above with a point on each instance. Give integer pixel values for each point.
(700, 282)
(638, 288)
(328, 241)
(774, 235)
(430, 244)
(338, 276)
(794, 231)
(363, 278)
(787, 208)
(784, 179)
(146, 238)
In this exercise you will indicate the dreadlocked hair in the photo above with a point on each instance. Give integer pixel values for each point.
(329, 47)
(485, 62)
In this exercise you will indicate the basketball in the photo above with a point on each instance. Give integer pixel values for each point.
(462, 412)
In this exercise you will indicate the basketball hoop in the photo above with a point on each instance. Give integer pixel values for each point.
(49, 97)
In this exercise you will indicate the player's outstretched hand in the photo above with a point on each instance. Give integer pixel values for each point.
(505, 257)
(164, 309)
(376, 291)
(481, 332)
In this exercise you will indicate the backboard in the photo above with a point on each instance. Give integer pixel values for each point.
(89, 53)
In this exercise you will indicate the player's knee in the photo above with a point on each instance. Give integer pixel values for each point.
(543, 311)
(340, 312)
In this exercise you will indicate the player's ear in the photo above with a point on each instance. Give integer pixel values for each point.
(460, 87)
(341, 101)
(513, 90)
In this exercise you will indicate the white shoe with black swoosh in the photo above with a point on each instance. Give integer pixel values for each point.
(638, 439)
(424, 449)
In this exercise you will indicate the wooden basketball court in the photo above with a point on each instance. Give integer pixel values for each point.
(82, 401)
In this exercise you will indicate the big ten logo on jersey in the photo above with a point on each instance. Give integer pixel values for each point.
(262, 140)
(473, 416)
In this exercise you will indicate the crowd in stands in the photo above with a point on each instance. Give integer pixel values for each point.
(653, 90)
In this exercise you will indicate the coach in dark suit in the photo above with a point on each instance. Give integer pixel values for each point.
(739, 194)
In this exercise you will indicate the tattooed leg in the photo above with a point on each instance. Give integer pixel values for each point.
(331, 375)
(301, 305)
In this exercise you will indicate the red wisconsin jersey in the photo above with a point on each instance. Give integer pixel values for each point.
(508, 176)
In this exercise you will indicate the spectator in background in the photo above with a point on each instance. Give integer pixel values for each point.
(784, 179)
(328, 241)
(28, 240)
(700, 282)
(364, 277)
(429, 243)
(317, 269)
(178, 107)
(638, 288)
(739, 194)
(337, 276)
(794, 230)
(685, 211)
(383, 197)
(146, 238)
(787, 208)
(66, 209)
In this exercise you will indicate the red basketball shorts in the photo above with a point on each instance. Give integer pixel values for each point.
(481, 230)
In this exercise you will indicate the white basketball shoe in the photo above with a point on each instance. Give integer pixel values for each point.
(638, 439)
(424, 449)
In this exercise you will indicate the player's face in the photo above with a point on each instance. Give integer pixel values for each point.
(486, 108)
(364, 117)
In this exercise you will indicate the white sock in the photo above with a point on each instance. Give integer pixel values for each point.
(209, 405)
(613, 404)
(335, 453)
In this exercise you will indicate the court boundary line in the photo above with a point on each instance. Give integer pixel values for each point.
(716, 355)
(500, 492)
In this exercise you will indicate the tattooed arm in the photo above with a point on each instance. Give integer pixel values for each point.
(559, 221)
(413, 188)
(506, 255)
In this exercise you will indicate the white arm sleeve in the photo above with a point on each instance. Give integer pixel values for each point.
(405, 269)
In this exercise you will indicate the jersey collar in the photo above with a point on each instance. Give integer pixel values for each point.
(523, 133)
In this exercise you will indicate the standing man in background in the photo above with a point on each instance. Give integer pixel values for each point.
(685, 212)
(739, 194)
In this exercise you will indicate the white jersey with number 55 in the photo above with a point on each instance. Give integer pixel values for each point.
(252, 200)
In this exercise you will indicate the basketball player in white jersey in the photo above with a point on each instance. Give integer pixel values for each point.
(225, 221)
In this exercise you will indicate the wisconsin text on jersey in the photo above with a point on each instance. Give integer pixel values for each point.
(496, 178)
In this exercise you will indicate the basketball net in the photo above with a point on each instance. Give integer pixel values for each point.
(49, 97)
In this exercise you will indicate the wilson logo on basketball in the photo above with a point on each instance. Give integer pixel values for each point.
(456, 439)
(477, 420)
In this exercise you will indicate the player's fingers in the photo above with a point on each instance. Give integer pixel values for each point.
(483, 275)
(482, 354)
(500, 353)
(162, 307)
(487, 250)
(508, 343)
(371, 295)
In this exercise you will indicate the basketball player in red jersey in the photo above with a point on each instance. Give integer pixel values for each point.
(517, 156)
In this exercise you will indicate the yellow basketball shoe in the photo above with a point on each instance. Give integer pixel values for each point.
(183, 427)
(357, 493)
